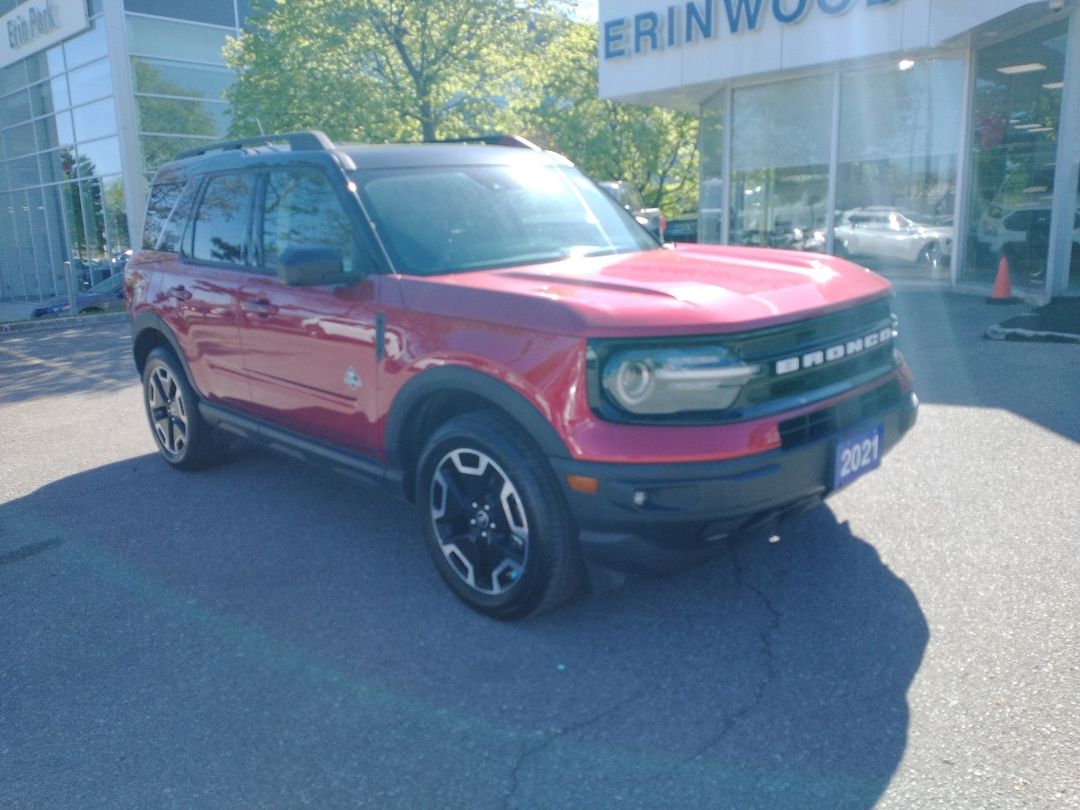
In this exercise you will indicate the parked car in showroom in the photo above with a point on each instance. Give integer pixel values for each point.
(892, 233)
(1022, 232)
(105, 296)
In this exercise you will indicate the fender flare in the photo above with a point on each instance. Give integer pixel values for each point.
(448, 379)
(150, 321)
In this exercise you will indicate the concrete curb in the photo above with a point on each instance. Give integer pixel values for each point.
(47, 324)
(999, 332)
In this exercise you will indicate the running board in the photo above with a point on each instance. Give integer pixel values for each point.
(295, 445)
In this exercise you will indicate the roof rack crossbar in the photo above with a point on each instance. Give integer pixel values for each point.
(496, 140)
(310, 140)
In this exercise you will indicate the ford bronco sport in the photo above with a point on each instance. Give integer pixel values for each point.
(483, 330)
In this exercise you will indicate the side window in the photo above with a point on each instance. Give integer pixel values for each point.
(162, 200)
(221, 223)
(173, 231)
(300, 209)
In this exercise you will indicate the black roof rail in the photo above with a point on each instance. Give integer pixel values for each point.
(310, 140)
(496, 140)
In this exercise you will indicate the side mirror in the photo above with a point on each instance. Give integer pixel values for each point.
(310, 266)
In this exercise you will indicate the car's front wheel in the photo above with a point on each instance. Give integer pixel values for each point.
(183, 437)
(495, 522)
(931, 255)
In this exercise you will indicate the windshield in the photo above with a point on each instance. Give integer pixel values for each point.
(453, 219)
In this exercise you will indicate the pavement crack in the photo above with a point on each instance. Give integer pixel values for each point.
(29, 550)
(765, 635)
(546, 739)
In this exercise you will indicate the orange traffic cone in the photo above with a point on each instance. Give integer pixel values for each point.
(1002, 292)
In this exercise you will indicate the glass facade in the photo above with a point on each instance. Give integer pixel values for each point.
(780, 163)
(861, 162)
(880, 162)
(65, 191)
(1016, 111)
(179, 77)
(61, 195)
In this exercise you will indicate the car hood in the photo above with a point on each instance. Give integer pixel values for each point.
(685, 290)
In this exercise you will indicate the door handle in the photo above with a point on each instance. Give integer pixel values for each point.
(259, 306)
(179, 292)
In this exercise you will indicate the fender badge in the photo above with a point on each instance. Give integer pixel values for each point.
(352, 379)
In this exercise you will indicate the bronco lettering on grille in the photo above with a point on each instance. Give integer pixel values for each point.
(833, 353)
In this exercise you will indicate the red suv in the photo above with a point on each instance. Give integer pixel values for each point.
(483, 330)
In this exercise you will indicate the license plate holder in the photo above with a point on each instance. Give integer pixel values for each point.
(857, 454)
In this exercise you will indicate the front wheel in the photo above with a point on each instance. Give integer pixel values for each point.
(931, 256)
(494, 519)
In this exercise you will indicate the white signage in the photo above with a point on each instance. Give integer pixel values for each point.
(37, 24)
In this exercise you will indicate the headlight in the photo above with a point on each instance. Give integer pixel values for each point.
(666, 381)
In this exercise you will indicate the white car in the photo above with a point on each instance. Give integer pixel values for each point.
(893, 234)
(1026, 226)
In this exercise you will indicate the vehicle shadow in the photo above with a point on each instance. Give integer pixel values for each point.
(773, 676)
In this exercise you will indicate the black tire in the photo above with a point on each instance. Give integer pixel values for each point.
(494, 519)
(183, 437)
(931, 255)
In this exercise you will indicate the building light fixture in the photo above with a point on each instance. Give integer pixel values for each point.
(1030, 67)
(1027, 126)
(1054, 85)
(906, 64)
(1041, 129)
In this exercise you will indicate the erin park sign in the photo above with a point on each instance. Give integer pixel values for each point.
(36, 25)
(685, 23)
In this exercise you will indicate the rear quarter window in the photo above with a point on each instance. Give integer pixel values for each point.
(173, 232)
(162, 200)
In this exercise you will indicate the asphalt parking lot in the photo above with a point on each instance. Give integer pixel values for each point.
(264, 634)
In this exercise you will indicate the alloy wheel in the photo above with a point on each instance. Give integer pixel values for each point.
(479, 521)
(168, 410)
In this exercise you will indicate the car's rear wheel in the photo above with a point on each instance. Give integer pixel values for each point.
(494, 520)
(183, 437)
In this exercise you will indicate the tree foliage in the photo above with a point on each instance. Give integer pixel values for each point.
(381, 70)
(400, 70)
(656, 149)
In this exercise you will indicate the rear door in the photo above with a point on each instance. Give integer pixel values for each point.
(309, 352)
(216, 248)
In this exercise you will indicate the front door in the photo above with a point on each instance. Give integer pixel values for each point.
(309, 351)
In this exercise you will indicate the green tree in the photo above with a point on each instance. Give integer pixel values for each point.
(393, 70)
(656, 149)
(379, 70)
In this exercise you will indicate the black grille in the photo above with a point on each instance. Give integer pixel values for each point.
(774, 389)
(818, 424)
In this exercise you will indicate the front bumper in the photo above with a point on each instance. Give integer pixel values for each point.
(653, 516)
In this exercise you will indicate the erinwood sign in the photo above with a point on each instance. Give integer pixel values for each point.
(36, 25)
(692, 21)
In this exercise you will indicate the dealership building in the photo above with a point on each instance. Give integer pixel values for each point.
(94, 95)
(924, 138)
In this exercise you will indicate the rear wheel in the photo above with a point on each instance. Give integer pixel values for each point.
(494, 519)
(183, 437)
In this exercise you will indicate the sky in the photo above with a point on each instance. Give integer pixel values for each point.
(587, 11)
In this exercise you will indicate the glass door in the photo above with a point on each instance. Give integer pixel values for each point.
(1017, 109)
